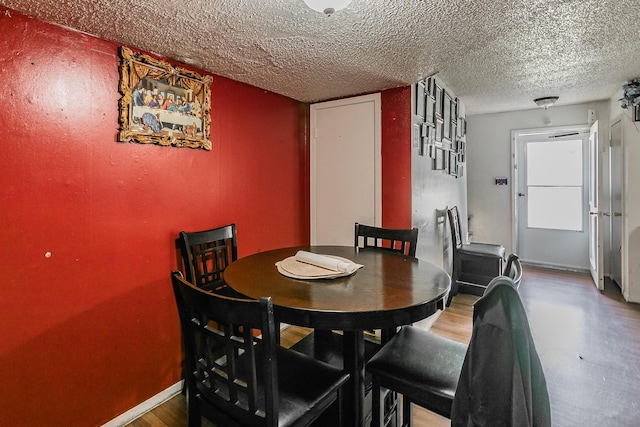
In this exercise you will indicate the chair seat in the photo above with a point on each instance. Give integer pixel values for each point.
(304, 384)
(422, 365)
(484, 249)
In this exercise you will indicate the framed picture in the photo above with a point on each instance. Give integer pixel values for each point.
(431, 86)
(446, 133)
(431, 150)
(427, 136)
(463, 127)
(438, 160)
(420, 94)
(424, 147)
(453, 163)
(415, 135)
(438, 131)
(439, 93)
(446, 111)
(462, 152)
(454, 110)
(429, 117)
(445, 155)
(162, 104)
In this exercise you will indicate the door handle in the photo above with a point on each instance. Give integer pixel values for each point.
(520, 194)
(606, 213)
(617, 214)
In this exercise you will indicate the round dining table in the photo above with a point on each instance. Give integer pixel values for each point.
(389, 291)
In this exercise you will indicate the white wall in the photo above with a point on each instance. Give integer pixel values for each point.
(433, 191)
(489, 149)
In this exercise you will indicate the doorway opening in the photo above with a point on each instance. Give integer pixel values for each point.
(550, 200)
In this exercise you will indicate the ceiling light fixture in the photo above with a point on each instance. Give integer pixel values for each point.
(546, 102)
(328, 7)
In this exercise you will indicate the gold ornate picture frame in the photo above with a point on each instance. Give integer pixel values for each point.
(163, 104)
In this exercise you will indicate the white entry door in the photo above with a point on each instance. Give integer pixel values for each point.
(552, 197)
(596, 240)
(346, 160)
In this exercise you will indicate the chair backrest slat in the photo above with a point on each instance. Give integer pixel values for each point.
(206, 254)
(398, 240)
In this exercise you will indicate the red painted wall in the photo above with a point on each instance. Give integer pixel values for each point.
(92, 331)
(396, 158)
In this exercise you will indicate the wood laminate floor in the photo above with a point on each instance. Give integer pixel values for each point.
(588, 342)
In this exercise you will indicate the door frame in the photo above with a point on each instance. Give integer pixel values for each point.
(374, 98)
(596, 213)
(515, 135)
(618, 120)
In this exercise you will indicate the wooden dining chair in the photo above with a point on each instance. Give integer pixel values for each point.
(247, 379)
(206, 254)
(474, 264)
(404, 241)
(497, 378)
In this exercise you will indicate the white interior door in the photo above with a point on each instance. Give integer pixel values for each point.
(551, 199)
(616, 166)
(596, 256)
(345, 168)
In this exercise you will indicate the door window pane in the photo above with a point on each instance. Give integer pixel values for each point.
(559, 208)
(554, 185)
(554, 163)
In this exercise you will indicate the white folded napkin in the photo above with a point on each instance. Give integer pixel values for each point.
(327, 262)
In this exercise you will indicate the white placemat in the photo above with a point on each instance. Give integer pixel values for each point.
(294, 268)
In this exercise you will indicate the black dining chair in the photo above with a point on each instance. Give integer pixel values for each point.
(474, 264)
(513, 269)
(497, 377)
(404, 241)
(245, 378)
(327, 345)
(205, 256)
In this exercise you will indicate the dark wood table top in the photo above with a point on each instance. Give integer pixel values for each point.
(389, 291)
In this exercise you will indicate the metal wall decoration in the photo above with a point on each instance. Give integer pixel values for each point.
(443, 127)
(162, 104)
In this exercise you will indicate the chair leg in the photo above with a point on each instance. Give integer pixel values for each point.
(407, 420)
(193, 409)
(339, 407)
(454, 288)
(377, 409)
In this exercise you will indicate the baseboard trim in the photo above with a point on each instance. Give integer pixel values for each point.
(559, 267)
(145, 406)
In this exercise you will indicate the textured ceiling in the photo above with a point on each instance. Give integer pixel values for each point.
(495, 55)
